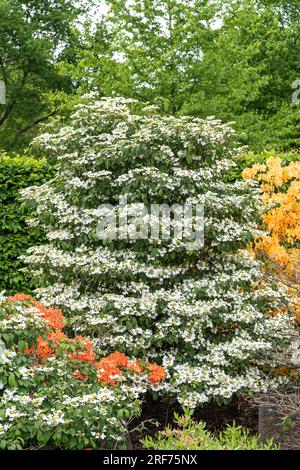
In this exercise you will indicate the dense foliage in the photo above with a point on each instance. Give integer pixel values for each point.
(237, 60)
(34, 35)
(154, 50)
(54, 390)
(15, 236)
(136, 295)
(254, 64)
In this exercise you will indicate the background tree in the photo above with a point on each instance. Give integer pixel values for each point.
(236, 60)
(153, 49)
(253, 64)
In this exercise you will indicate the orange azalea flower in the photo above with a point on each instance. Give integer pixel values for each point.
(82, 341)
(84, 356)
(42, 349)
(281, 188)
(87, 354)
(80, 375)
(109, 369)
(108, 372)
(52, 316)
(57, 337)
(19, 297)
(135, 366)
(156, 373)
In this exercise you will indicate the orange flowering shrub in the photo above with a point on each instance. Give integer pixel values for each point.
(115, 363)
(281, 194)
(85, 353)
(52, 316)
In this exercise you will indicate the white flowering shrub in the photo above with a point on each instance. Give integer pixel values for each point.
(202, 313)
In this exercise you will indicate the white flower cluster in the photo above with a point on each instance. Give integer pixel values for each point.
(202, 312)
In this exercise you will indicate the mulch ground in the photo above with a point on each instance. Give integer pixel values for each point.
(157, 414)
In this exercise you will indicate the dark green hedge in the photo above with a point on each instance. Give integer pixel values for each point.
(15, 237)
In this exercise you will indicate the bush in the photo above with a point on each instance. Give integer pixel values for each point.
(54, 390)
(248, 159)
(15, 236)
(199, 312)
(191, 435)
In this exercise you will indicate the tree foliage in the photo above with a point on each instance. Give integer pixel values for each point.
(254, 63)
(236, 60)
